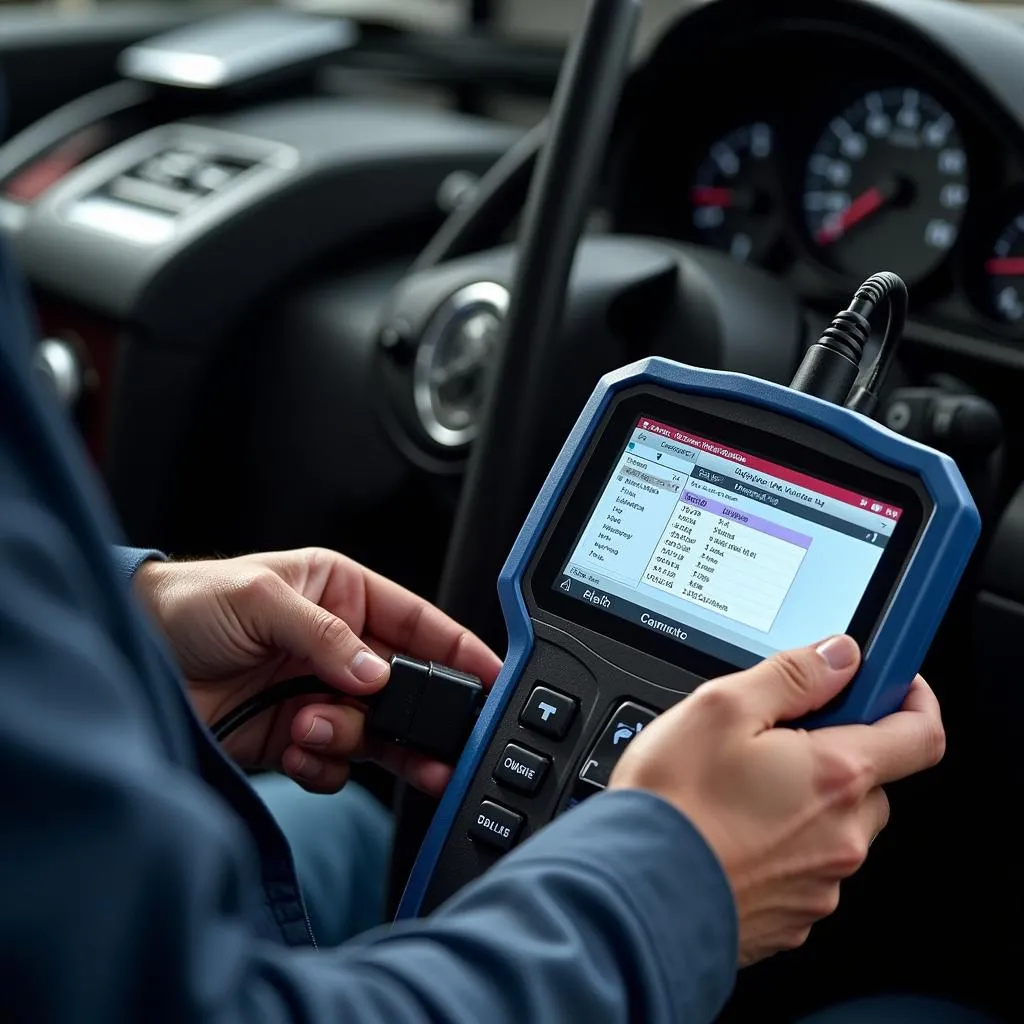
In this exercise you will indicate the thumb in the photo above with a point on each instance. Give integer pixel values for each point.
(794, 683)
(309, 633)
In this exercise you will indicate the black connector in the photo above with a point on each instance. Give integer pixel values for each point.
(424, 706)
(427, 707)
(831, 366)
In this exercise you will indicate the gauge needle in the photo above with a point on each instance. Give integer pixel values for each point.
(709, 195)
(866, 204)
(745, 200)
(1005, 266)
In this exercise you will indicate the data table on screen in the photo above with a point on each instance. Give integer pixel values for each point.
(733, 563)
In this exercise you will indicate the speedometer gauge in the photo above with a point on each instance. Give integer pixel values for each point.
(733, 200)
(887, 185)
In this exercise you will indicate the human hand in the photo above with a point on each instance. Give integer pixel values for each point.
(240, 625)
(790, 813)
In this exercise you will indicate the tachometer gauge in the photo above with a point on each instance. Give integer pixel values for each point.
(733, 196)
(1004, 272)
(887, 186)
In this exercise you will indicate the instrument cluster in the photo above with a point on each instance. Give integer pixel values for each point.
(829, 176)
(885, 184)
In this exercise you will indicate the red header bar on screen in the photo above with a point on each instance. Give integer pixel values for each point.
(757, 465)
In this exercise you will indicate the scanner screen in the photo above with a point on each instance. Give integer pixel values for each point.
(714, 548)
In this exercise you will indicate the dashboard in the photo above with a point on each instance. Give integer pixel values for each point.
(174, 241)
(825, 146)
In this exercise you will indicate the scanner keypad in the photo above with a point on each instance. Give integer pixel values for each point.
(549, 712)
(496, 825)
(521, 769)
(627, 723)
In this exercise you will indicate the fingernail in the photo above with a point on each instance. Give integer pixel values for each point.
(306, 767)
(320, 733)
(839, 652)
(367, 667)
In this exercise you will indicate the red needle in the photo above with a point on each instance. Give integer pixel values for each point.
(1005, 266)
(707, 195)
(863, 206)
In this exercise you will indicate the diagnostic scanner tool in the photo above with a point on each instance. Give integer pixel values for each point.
(694, 523)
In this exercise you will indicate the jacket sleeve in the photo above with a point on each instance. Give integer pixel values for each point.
(128, 890)
(128, 560)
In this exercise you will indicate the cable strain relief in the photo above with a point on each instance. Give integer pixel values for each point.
(876, 288)
(847, 334)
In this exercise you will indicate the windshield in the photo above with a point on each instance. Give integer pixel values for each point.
(552, 20)
(528, 20)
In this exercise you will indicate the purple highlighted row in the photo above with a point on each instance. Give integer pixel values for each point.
(705, 504)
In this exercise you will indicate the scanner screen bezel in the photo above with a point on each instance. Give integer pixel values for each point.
(803, 447)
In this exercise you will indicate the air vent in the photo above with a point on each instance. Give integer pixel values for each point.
(175, 179)
(143, 190)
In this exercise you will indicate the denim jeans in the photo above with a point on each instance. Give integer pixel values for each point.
(342, 846)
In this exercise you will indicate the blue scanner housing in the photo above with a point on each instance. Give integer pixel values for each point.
(899, 641)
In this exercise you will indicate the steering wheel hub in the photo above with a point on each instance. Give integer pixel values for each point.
(448, 375)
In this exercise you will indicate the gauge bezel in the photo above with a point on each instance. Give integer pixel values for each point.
(992, 220)
(775, 253)
(649, 187)
(854, 98)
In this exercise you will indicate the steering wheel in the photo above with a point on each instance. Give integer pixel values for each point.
(488, 352)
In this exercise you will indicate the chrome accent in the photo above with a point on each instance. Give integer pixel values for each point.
(456, 190)
(113, 217)
(448, 375)
(57, 360)
(236, 47)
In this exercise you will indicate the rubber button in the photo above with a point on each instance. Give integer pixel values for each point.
(496, 826)
(522, 769)
(549, 712)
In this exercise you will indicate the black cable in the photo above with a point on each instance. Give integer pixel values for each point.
(891, 288)
(831, 366)
(427, 707)
(277, 694)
